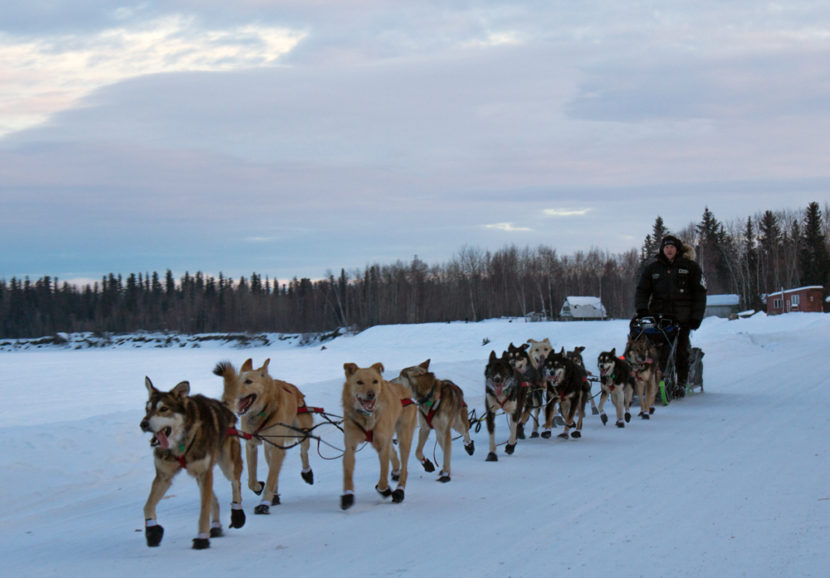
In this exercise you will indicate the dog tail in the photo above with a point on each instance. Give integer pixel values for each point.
(226, 371)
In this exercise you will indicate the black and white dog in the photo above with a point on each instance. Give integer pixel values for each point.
(502, 390)
(568, 386)
(617, 382)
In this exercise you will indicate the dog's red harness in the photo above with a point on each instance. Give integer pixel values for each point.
(370, 433)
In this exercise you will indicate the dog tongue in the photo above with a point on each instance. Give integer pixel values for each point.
(162, 439)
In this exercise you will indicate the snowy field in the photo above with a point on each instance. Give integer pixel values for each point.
(731, 482)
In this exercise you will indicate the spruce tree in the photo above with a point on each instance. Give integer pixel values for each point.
(813, 256)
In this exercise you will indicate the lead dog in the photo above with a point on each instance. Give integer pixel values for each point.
(617, 382)
(441, 407)
(502, 390)
(374, 410)
(191, 433)
(271, 410)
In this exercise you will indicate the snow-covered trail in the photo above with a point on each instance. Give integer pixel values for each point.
(730, 482)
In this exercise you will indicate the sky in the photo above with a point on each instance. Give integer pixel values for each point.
(294, 138)
(729, 482)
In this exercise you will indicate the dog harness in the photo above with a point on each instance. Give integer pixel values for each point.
(433, 406)
(370, 433)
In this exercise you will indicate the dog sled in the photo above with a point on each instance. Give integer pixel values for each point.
(663, 333)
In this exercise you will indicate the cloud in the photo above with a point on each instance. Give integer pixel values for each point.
(507, 227)
(52, 73)
(566, 212)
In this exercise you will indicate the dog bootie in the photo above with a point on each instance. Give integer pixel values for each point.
(308, 476)
(237, 516)
(346, 501)
(153, 534)
(385, 492)
(201, 543)
(470, 448)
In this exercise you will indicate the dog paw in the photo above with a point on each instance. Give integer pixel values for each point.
(262, 509)
(546, 434)
(308, 477)
(443, 478)
(645, 416)
(520, 432)
(627, 417)
(594, 411)
(576, 435)
(563, 435)
(216, 532)
(509, 449)
(346, 501)
(153, 534)
(428, 466)
(259, 487)
(237, 518)
(201, 543)
(620, 423)
(604, 418)
(470, 448)
(386, 492)
(651, 410)
(492, 457)
(534, 435)
(275, 501)
(397, 496)
(395, 475)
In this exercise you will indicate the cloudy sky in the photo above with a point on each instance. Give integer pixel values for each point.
(294, 137)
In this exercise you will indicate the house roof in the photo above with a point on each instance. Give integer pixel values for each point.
(725, 299)
(576, 301)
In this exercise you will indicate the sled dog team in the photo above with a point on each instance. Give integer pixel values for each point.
(194, 432)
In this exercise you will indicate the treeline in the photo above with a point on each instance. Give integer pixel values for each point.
(760, 255)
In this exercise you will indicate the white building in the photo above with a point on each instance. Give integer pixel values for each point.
(724, 305)
(583, 308)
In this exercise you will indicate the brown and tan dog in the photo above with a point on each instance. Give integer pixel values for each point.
(374, 410)
(575, 355)
(192, 433)
(441, 407)
(271, 410)
(644, 359)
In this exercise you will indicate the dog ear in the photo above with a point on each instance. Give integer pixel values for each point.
(248, 365)
(546, 340)
(424, 364)
(149, 385)
(182, 389)
(579, 349)
(492, 356)
(350, 368)
(265, 365)
(532, 342)
(614, 352)
(378, 366)
(524, 346)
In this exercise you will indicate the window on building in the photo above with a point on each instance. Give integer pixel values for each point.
(776, 303)
(795, 300)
